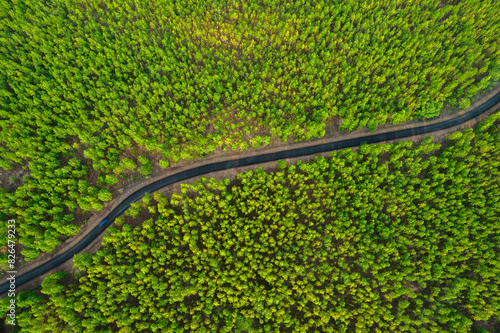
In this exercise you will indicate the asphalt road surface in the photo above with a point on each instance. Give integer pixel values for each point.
(297, 152)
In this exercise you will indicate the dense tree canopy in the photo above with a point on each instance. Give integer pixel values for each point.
(386, 239)
(181, 79)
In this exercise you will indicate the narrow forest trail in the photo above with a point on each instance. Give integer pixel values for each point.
(418, 129)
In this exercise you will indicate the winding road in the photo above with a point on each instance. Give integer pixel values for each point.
(247, 161)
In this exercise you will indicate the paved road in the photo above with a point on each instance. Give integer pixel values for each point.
(297, 152)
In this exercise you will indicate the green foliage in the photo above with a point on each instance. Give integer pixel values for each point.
(119, 221)
(146, 199)
(123, 82)
(479, 330)
(111, 179)
(105, 195)
(30, 254)
(4, 303)
(134, 210)
(455, 136)
(82, 261)
(464, 103)
(146, 167)
(164, 164)
(127, 163)
(281, 164)
(490, 121)
(50, 285)
(400, 116)
(244, 324)
(386, 239)
(495, 74)
(430, 109)
(96, 205)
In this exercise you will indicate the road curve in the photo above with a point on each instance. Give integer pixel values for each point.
(246, 161)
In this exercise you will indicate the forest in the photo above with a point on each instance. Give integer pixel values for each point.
(386, 238)
(94, 91)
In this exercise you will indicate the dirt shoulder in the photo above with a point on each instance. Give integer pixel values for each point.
(220, 156)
